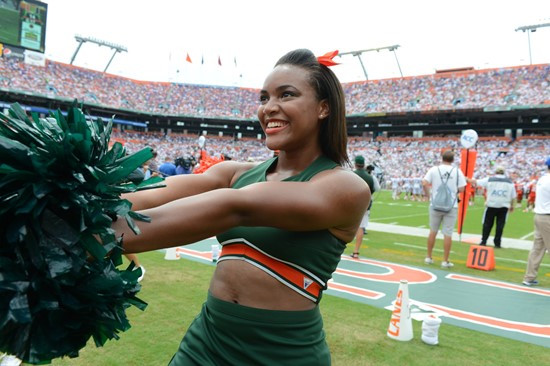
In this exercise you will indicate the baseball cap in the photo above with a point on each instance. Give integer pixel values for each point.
(548, 161)
(359, 160)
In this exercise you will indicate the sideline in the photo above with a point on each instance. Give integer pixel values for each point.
(466, 238)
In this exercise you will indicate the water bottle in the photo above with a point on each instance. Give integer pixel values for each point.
(215, 252)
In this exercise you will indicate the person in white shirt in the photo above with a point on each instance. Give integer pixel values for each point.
(456, 182)
(541, 243)
(500, 200)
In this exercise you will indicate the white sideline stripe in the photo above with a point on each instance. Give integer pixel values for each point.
(419, 247)
(528, 235)
(400, 217)
(519, 261)
(415, 231)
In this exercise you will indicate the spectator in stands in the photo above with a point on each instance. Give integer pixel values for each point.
(285, 215)
(500, 201)
(167, 168)
(541, 243)
(445, 173)
(369, 180)
(153, 165)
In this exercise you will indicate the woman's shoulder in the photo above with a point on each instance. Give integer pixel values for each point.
(342, 178)
(231, 170)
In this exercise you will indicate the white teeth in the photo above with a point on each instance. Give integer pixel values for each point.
(275, 124)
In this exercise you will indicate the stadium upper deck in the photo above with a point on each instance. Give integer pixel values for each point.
(379, 101)
(477, 89)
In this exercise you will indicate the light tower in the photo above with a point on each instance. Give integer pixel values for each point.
(81, 40)
(529, 29)
(360, 52)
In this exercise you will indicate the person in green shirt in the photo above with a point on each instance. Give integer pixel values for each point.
(369, 179)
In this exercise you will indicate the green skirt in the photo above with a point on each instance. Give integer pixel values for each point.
(225, 333)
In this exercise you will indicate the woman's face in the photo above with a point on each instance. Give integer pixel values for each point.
(289, 111)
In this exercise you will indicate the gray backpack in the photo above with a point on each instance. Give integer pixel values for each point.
(443, 200)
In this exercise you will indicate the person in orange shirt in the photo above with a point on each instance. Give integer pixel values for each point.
(531, 195)
(519, 193)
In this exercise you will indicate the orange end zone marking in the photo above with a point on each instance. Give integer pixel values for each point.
(195, 253)
(394, 274)
(499, 284)
(355, 290)
(537, 330)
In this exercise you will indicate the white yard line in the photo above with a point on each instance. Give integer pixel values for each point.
(528, 235)
(418, 247)
(398, 217)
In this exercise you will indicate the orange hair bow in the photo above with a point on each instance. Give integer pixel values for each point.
(326, 59)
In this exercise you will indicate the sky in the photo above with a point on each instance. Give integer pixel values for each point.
(249, 36)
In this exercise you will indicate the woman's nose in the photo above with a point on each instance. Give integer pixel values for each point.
(271, 106)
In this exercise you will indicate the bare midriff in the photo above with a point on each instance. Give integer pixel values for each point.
(241, 283)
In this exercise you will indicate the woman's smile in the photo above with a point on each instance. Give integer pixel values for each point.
(274, 126)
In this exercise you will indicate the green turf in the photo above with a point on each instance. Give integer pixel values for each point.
(9, 26)
(519, 224)
(356, 333)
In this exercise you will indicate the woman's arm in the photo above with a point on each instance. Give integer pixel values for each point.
(178, 186)
(335, 199)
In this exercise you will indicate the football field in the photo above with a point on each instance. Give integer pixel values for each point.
(402, 212)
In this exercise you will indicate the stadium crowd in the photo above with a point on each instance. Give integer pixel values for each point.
(497, 88)
(404, 160)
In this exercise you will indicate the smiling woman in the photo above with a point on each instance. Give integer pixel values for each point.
(282, 224)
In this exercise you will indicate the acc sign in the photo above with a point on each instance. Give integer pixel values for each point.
(468, 138)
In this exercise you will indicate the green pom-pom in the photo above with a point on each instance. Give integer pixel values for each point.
(60, 187)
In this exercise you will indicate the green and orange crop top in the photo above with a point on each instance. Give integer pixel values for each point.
(301, 260)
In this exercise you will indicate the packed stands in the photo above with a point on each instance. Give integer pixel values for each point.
(403, 157)
(395, 158)
(471, 89)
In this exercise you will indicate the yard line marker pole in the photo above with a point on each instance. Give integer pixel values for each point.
(467, 165)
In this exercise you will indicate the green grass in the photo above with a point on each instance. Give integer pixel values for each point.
(412, 213)
(356, 332)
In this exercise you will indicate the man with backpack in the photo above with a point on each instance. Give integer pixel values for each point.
(445, 182)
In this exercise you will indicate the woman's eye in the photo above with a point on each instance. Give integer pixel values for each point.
(287, 94)
(263, 99)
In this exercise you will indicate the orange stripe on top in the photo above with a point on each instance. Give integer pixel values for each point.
(300, 282)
